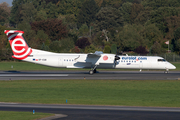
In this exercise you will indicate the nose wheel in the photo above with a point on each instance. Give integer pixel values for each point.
(167, 70)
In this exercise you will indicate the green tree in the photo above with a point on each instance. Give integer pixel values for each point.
(155, 4)
(112, 3)
(125, 10)
(99, 38)
(28, 12)
(107, 49)
(130, 37)
(107, 18)
(144, 16)
(152, 34)
(44, 47)
(15, 11)
(66, 45)
(177, 46)
(156, 48)
(84, 30)
(176, 40)
(87, 13)
(51, 10)
(173, 23)
(92, 49)
(177, 33)
(4, 13)
(54, 28)
(24, 26)
(66, 7)
(159, 16)
(135, 10)
(55, 46)
(25, 8)
(114, 48)
(41, 15)
(42, 37)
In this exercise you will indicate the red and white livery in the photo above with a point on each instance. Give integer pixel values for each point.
(92, 61)
(19, 47)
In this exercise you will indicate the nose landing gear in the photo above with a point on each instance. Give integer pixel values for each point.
(167, 70)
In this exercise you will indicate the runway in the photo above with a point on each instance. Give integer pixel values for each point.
(81, 112)
(84, 112)
(110, 75)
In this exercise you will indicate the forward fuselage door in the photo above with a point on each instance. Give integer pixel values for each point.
(140, 64)
(60, 62)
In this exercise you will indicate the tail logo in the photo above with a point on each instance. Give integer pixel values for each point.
(18, 44)
(23, 45)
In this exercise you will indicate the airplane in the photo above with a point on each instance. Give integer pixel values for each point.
(23, 52)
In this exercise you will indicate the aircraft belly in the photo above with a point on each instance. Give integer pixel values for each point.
(106, 65)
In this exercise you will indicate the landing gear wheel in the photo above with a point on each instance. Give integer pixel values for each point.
(91, 72)
(166, 71)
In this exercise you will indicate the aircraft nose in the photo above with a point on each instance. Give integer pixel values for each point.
(171, 66)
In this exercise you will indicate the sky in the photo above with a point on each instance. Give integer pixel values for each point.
(8, 1)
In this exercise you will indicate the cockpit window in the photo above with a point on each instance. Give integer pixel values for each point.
(161, 60)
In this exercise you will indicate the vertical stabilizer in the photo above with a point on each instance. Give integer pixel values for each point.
(18, 44)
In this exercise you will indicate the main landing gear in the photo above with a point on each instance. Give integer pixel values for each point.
(93, 70)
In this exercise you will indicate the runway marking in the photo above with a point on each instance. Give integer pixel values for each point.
(159, 109)
(33, 75)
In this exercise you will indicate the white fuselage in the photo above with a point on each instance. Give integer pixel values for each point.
(83, 61)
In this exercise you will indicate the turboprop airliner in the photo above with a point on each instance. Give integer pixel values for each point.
(92, 61)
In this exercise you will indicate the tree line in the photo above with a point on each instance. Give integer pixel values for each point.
(84, 26)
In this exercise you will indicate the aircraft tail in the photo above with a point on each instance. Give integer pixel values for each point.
(18, 44)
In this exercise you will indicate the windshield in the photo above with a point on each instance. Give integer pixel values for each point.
(161, 60)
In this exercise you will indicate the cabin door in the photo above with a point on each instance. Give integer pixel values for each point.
(60, 62)
(140, 64)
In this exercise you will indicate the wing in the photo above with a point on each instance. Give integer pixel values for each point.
(96, 54)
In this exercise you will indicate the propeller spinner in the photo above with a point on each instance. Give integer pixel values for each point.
(117, 58)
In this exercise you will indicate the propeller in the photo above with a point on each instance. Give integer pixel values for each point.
(116, 58)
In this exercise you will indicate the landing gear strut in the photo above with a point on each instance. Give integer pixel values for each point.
(93, 70)
(167, 70)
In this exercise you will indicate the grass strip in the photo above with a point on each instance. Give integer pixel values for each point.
(164, 93)
(10, 115)
(19, 66)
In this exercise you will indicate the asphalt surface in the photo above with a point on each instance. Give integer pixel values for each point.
(116, 75)
(81, 112)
